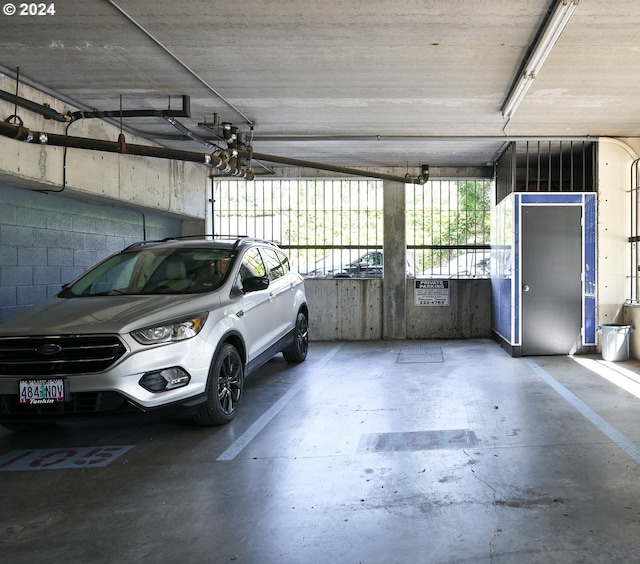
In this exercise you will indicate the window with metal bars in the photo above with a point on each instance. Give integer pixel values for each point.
(334, 228)
(326, 226)
(448, 224)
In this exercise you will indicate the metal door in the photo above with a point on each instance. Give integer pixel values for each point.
(551, 279)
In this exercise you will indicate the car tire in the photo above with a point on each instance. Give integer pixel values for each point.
(224, 388)
(297, 351)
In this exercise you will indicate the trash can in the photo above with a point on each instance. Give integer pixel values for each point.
(615, 341)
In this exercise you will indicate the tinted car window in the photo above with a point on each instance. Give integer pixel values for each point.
(284, 260)
(252, 265)
(275, 266)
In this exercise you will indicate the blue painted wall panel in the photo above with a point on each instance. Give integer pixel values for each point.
(506, 289)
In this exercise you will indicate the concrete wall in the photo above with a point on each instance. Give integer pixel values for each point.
(48, 240)
(352, 310)
(631, 312)
(394, 288)
(614, 216)
(467, 317)
(161, 185)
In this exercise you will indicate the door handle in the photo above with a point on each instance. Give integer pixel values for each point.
(240, 313)
(525, 288)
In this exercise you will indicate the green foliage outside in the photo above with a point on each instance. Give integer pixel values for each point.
(443, 217)
(312, 217)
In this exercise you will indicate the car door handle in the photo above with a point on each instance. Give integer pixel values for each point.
(240, 313)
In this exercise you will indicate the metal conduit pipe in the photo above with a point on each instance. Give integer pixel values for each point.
(50, 113)
(23, 134)
(35, 107)
(225, 163)
(407, 179)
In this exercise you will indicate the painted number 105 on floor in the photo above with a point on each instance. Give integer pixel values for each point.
(61, 458)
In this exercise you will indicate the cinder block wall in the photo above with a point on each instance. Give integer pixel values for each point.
(47, 240)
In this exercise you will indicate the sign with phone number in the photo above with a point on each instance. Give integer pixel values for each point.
(61, 458)
(432, 292)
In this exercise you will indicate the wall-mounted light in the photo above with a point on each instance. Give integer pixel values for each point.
(541, 50)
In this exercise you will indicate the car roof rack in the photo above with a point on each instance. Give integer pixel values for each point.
(245, 238)
(238, 240)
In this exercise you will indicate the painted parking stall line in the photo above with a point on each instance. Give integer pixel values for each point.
(252, 432)
(61, 458)
(606, 428)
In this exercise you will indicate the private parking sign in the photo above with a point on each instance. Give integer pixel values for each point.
(432, 292)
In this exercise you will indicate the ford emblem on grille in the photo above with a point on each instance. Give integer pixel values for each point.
(49, 349)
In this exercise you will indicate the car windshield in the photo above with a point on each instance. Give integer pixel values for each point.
(154, 271)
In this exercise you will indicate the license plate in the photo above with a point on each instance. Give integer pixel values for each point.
(41, 391)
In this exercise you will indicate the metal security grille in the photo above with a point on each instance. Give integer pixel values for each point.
(448, 223)
(550, 165)
(336, 226)
(312, 218)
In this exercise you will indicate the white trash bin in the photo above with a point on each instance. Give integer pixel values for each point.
(615, 341)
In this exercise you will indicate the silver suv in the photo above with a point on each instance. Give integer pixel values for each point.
(172, 323)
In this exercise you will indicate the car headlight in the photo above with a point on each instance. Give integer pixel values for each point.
(171, 331)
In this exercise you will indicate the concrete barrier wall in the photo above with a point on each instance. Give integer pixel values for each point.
(352, 309)
(143, 183)
(468, 315)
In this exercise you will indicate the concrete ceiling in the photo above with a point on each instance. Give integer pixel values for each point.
(361, 83)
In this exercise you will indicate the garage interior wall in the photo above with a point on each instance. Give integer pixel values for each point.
(614, 229)
(48, 240)
(159, 185)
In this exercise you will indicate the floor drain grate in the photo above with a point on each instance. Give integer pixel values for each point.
(419, 353)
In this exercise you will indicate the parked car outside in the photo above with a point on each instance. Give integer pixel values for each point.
(164, 324)
(354, 263)
(472, 264)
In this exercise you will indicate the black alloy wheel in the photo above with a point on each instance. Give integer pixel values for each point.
(297, 351)
(224, 391)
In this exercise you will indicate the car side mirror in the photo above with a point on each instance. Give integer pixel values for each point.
(254, 284)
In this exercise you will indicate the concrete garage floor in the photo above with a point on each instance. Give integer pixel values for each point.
(366, 453)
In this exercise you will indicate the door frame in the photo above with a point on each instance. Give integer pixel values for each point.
(588, 202)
